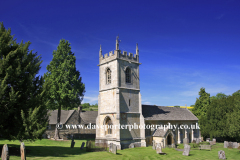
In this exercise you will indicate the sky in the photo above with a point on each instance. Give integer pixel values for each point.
(183, 44)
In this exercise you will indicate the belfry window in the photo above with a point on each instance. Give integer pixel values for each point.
(108, 76)
(128, 75)
(108, 126)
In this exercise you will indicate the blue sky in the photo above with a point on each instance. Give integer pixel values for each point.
(183, 44)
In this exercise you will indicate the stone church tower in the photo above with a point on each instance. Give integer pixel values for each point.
(119, 100)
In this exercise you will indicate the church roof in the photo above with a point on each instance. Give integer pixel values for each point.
(89, 116)
(152, 112)
(65, 115)
(86, 116)
(160, 132)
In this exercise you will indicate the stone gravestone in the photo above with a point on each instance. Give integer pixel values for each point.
(82, 146)
(235, 145)
(225, 144)
(185, 141)
(207, 139)
(158, 148)
(214, 140)
(211, 142)
(22, 151)
(153, 146)
(5, 153)
(110, 147)
(186, 150)
(114, 149)
(198, 140)
(131, 145)
(221, 154)
(72, 143)
(137, 144)
(230, 145)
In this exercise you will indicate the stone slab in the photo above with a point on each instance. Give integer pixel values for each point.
(235, 145)
(153, 145)
(158, 148)
(5, 152)
(212, 142)
(186, 150)
(137, 144)
(110, 147)
(221, 154)
(114, 149)
(131, 145)
(185, 141)
(225, 144)
(198, 140)
(230, 145)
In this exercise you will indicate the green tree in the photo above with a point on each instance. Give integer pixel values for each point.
(200, 108)
(22, 102)
(237, 93)
(63, 81)
(233, 119)
(218, 96)
(202, 103)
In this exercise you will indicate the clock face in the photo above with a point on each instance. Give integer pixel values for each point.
(123, 115)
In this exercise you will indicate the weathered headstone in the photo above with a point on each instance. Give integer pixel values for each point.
(225, 144)
(5, 153)
(72, 143)
(214, 140)
(22, 151)
(211, 142)
(153, 145)
(230, 145)
(186, 150)
(82, 146)
(221, 154)
(110, 147)
(185, 141)
(235, 145)
(131, 145)
(207, 139)
(138, 144)
(158, 148)
(198, 140)
(114, 149)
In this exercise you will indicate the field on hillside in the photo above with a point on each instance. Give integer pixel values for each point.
(55, 150)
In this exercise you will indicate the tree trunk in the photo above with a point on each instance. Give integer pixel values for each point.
(57, 136)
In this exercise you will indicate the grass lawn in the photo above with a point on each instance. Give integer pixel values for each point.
(49, 149)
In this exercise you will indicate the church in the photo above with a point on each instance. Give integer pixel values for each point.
(119, 104)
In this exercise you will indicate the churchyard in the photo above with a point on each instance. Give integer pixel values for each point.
(49, 149)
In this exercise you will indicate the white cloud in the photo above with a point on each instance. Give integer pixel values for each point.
(91, 100)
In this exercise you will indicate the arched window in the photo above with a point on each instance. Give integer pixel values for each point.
(108, 124)
(128, 75)
(108, 74)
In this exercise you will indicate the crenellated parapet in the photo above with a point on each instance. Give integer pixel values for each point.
(129, 56)
(117, 54)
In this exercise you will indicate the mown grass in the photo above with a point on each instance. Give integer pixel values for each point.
(54, 150)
